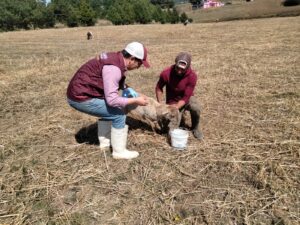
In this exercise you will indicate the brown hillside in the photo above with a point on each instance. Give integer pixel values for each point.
(240, 9)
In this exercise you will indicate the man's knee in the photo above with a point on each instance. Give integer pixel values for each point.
(194, 105)
(119, 121)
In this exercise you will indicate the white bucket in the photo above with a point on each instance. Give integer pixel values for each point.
(179, 138)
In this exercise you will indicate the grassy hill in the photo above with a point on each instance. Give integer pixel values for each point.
(240, 9)
(245, 171)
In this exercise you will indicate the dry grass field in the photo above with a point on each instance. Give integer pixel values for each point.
(245, 171)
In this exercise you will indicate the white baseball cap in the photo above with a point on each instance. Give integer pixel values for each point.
(138, 50)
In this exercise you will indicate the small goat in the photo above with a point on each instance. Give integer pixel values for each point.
(161, 117)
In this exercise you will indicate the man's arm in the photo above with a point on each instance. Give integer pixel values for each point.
(141, 100)
(179, 104)
(111, 77)
(159, 89)
(159, 95)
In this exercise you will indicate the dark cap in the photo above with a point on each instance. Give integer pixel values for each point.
(183, 60)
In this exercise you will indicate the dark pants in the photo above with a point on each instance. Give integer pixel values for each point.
(195, 110)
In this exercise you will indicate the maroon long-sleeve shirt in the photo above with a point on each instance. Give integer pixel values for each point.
(177, 88)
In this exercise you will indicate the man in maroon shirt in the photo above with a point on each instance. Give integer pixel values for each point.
(180, 81)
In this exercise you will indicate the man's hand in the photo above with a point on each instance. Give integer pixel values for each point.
(179, 104)
(142, 100)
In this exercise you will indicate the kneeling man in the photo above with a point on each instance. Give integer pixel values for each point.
(180, 81)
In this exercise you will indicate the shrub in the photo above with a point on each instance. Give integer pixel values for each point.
(291, 2)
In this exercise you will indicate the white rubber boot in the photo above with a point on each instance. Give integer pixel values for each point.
(118, 142)
(104, 132)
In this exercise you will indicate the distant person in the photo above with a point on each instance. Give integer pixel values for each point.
(89, 35)
(94, 90)
(180, 81)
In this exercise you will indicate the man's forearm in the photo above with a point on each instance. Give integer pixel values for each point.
(159, 96)
(179, 104)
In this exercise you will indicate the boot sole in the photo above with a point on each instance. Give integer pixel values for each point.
(120, 157)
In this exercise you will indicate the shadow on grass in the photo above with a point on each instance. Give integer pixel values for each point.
(89, 134)
(136, 124)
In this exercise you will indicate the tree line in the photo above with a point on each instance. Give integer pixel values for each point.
(32, 14)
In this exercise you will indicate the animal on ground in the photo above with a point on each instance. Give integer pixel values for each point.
(160, 117)
(89, 35)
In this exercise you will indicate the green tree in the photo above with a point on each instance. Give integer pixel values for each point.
(86, 14)
(99, 7)
(121, 12)
(172, 16)
(183, 17)
(21, 14)
(163, 3)
(291, 2)
(23, 10)
(139, 11)
(158, 15)
(42, 16)
(8, 18)
(62, 9)
(72, 20)
(197, 3)
(142, 11)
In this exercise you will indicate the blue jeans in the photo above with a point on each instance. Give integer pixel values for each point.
(99, 108)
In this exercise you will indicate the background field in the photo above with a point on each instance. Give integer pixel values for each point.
(240, 9)
(246, 171)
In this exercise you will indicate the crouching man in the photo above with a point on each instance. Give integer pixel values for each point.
(94, 90)
(180, 81)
